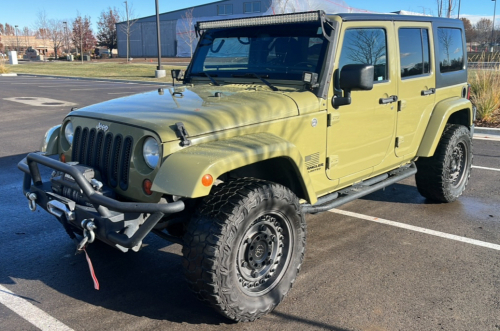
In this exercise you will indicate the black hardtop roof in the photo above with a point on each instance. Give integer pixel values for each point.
(346, 17)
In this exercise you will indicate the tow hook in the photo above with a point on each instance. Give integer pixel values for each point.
(31, 201)
(88, 233)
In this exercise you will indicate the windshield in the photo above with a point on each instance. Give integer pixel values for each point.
(275, 52)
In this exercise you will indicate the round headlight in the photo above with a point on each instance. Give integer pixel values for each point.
(151, 152)
(68, 132)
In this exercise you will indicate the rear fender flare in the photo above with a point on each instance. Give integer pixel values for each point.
(439, 118)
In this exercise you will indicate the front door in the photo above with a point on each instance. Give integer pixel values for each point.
(416, 80)
(361, 134)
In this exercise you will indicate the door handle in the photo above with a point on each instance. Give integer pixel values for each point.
(428, 92)
(391, 99)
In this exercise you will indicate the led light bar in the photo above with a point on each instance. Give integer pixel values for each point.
(262, 20)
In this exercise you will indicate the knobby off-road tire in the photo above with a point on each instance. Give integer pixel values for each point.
(444, 176)
(244, 247)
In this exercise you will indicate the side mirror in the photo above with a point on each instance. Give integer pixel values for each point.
(354, 77)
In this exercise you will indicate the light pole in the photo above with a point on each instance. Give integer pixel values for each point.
(66, 36)
(493, 28)
(159, 70)
(128, 27)
(459, 2)
(17, 38)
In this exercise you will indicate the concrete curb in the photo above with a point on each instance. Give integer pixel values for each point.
(487, 131)
(8, 75)
(98, 79)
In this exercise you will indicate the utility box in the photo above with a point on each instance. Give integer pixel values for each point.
(86, 57)
(70, 57)
(13, 57)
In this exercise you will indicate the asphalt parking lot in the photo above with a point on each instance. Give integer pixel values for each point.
(389, 261)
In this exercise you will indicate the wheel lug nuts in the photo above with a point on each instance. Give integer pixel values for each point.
(280, 229)
(256, 284)
(262, 281)
(281, 237)
(281, 245)
(262, 227)
(248, 240)
(244, 264)
(272, 270)
(268, 276)
(245, 283)
(273, 238)
(276, 223)
(255, 274)
(240, 280)
(270, 261)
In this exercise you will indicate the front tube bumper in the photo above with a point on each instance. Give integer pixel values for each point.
(101, 203)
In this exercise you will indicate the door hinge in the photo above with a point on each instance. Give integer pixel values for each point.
(333, 118)
(332, 161)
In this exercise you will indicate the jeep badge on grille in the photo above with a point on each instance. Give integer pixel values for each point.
(102, 127)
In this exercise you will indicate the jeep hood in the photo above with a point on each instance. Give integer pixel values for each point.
(198, 108)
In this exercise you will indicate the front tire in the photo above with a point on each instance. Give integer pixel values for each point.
(444, 176)
(244, 248)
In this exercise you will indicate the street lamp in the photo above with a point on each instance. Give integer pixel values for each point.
(493, 28)
(159, 70)
(128, 27)
(459, 2)
(66, 36)
(17, 48)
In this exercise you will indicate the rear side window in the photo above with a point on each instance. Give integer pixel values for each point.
(414, 52)
(451, 50)
(366, 46)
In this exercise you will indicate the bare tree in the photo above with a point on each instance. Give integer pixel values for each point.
(41, 27)
(445, 6)
(2, 29)
(188, 35)
(367, 47)
(483, 30)
(131, 17)
(55, 34)
(446, 40)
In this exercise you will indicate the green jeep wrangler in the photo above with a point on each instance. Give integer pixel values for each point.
(278, 116)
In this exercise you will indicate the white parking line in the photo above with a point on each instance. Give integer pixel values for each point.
(485, 168)
(418, 229)
(29, 312)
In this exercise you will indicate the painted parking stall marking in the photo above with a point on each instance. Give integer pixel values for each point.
(29, 312)
(417, 229)
(485, 168)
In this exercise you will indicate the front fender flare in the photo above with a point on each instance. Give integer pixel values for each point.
(442, 112)
(181, 173)
(50, 141)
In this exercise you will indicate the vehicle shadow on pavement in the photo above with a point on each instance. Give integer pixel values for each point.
(399, 193)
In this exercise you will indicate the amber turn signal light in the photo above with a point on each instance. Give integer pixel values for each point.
(146, 186)
(62, 158)
(207, 180)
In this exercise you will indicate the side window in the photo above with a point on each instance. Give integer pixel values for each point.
(414, 52)
(366, 46)
(451, 50)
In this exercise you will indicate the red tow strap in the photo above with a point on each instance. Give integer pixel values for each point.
(92, 273)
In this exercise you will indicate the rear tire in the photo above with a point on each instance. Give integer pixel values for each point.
(244, 248)
(444, 176)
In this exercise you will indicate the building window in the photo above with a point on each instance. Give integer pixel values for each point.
(225, 10)
(251, 7)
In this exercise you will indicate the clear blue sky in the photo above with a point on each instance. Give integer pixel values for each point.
(24, 12)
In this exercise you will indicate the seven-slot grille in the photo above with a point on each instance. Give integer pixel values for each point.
(104, 152)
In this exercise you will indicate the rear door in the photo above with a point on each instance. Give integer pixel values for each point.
(416, 84)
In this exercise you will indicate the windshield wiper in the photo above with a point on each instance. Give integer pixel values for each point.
(204, 73)
(251, 74)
